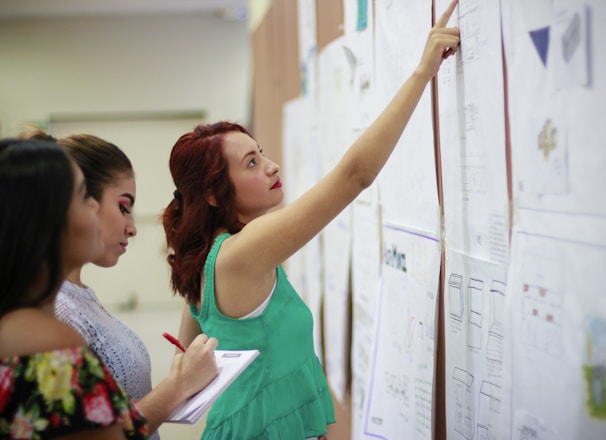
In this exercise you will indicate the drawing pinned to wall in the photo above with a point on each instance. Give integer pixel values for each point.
(489, 408)
(530, 427)
(569, 55)
(476, 313)
(558, 332)
(475, 348)
(541, 314)
(463, 411)
(496, 330)
(455, 296)
(556, 87)
(548, 146)
(399, 396)
(307, 44)
(359, 48)
(470, 27)
(472, 136)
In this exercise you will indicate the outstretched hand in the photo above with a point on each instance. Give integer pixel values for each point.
(442, 42)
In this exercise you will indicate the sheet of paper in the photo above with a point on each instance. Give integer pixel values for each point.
(359, 48)
(474, 314)
(407, 183)
(334, 132)
(306, 15)
(399, 396)
(333, 104)
(558, 332)
(302, 167)
(557, 85)
(472, 135)
(365, 274)
(336, 243)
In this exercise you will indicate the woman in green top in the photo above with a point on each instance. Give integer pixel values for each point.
(226, 251)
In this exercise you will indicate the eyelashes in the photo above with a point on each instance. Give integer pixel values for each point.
(124, 209)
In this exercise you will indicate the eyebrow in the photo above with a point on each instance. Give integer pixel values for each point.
(130, 197)
(252, 153)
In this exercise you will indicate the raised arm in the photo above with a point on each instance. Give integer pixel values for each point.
(270, 239)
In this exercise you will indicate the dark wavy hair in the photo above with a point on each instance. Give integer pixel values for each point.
(200, 173)
(36, 185)
(101, 162)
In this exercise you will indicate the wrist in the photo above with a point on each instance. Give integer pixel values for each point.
(422, 74)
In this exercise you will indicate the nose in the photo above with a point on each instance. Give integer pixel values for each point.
(272, 167)
(131, 229)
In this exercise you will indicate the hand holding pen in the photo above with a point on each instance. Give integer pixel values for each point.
(195, 367)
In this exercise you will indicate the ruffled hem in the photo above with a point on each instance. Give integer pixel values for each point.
(296, 406)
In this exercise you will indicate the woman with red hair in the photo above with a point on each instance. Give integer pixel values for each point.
(226, 251)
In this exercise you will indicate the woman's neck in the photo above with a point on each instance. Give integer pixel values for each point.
(74, 277)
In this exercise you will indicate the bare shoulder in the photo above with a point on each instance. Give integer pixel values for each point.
(242, 280)
(28, 331)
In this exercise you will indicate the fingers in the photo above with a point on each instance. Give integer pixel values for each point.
(205, 342)
(446, 15)
(212, 343)
(447, 39)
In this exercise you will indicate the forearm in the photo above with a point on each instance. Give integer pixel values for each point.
(160, 403)
(364, 160)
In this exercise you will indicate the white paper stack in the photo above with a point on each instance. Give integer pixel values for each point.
(231, 364)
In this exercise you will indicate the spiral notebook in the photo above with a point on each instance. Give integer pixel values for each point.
(231, 364)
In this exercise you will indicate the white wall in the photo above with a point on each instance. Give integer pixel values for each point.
(129, 64)
(119, 64)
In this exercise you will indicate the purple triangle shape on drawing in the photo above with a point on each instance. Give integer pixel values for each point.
(540, 38)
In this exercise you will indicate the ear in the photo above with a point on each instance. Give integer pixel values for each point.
(210, 199)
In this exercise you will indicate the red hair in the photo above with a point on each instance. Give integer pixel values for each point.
(199, 170)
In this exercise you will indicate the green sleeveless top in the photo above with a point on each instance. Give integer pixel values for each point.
(283, 394)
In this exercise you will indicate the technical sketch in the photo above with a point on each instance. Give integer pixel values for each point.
(474, 326)
(463, 406)
(529, 427)
(496, 329)
(541, 319)
(474, 179)
(541, 314)
(489, 407)
(455, 296)
(469, 25)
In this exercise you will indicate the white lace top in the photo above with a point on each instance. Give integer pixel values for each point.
(115, 342)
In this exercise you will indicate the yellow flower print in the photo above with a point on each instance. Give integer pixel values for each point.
(54, 376)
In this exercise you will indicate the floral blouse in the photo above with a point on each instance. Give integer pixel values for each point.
(60, 392)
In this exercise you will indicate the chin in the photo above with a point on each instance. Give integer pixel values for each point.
(106, 261)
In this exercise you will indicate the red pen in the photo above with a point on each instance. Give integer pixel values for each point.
(174, 341)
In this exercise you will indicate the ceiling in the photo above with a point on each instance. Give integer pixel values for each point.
(228, 9)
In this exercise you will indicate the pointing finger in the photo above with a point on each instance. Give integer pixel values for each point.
(446, 15)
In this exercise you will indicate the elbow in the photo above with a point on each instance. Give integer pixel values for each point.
(365, 181)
